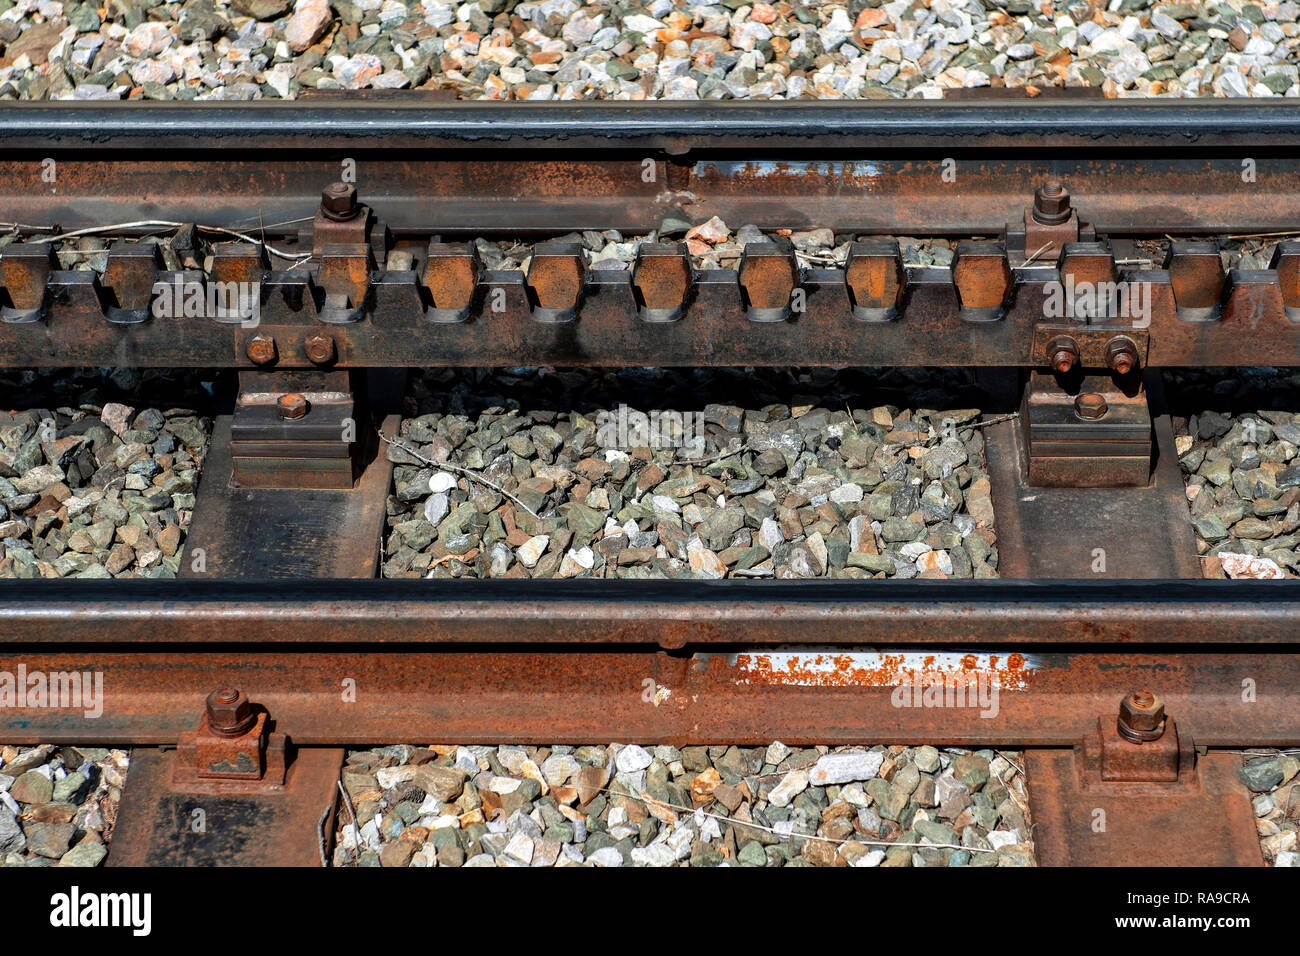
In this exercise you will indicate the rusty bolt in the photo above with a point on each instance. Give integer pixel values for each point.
(338, 201)
(1064, 353)
(230, 713)
(261, 349)
(1141, 717)
(1051, 203)
(1121, 355)
(1091, 406)
(320, 349)
(292, 406)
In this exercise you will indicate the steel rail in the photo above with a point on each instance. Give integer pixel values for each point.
(1131, 125)
(664, 614)
(348, 694)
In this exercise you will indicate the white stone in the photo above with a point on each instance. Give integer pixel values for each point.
(606, 856)
(845, 767)
(656, 854)
(792, 784)
(436, 507)
(531, 551)
(855, 796)
(703, 561)
(640, 23)
(501, 785)
(1000, 838)
(847, 493)
(632, 758)
(1245, 566)
(776, 752)
(576, 561)
(664, 503)
(558, 768)
(512, 758)
(520, 848)
(769, 534)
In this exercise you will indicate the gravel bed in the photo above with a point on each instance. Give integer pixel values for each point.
(661, 49)
(98, 471)
(626, 805)
(821, 473)
(58, 804)
(1237, 432)
(1271, 775)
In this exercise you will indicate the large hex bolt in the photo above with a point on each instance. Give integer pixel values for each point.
(1052, 203)
(230, 713)
(338, 201)
(1141, 717)
(1063, 352)
(261, 349)
(293, 406)
(320, 349)
(1121, 355)
(1091, 406)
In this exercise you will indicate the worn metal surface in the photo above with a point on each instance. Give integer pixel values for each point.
(1204, 819)
(745, 693)
(278, 533)
(1096, 533)
(943, 317)
(868, 166)
(1086, 431)
(280, 126)
(226, 823)
(668, 614)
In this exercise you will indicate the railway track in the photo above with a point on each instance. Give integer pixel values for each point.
(317, 253)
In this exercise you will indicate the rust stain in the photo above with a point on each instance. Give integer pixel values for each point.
(884, 668)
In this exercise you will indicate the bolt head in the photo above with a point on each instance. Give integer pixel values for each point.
(1091, 406)
(320, 349)
(261, 349)
(230, 712)
(1142, 715)
(292, 406)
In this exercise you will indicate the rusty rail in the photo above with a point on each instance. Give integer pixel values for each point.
(734, 661)
(428, 172)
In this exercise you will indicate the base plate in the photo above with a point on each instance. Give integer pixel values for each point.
(1143, 532)
(285, 533)
(1203, 820)
(224, 823)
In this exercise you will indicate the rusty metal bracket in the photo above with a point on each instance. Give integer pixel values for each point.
(232, 742)
(295, 429)
(1136, 784)
(1049, 226)
(1086, 431)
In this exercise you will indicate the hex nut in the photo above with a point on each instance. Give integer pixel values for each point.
(1141, 717)
(230, 712)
